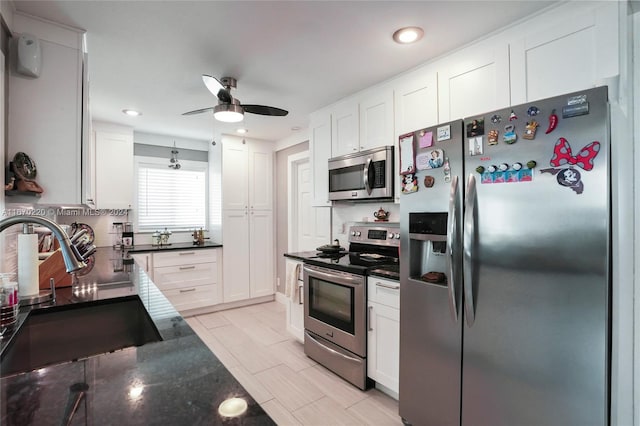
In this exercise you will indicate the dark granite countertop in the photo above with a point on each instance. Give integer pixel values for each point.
(176, 381)
(173, 246)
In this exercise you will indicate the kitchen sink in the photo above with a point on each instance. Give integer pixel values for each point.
(71, 332)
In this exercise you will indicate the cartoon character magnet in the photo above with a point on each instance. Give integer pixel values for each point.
(430, 160)
(409, 183)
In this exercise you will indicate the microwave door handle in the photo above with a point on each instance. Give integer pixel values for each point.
(365, 176)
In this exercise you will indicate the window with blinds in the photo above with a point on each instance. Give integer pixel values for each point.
(173, 199)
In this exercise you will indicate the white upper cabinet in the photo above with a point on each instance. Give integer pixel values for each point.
(260, 173)
(247, 175)
(344, 128)
(564, 55)
(45, 113)
(473, 81)
(416, 101)
(319, 153)
(376, 119)
(235, 172)
(114, 170)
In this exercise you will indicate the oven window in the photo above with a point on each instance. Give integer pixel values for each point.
(332, 304)
(346, 179)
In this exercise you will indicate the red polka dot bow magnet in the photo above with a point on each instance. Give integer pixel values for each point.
(562, 154)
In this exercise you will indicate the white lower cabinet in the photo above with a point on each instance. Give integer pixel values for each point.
(189, 279)
(383, 337)
(248, 260)
(295, 306)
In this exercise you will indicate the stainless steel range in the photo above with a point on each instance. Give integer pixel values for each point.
(335, 295)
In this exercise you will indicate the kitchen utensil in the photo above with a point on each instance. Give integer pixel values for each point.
(331, 248)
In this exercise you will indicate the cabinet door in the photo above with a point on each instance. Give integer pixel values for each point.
(344, 128)
(260, 178)
(235, 225)
(383, 344)
(376, 119)
(235, 181)
(261, 253)
(416, 102)
(474, 81)
(320, 152)
(565, 55)
(44, 121)
(114, 170)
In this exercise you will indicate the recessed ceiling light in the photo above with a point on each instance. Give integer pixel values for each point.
(295, 128)
(132, 112)
(408, 35)
(242, 131)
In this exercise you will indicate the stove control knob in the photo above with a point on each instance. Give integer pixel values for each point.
(397, 236)
(390, 235)
(353, 233)
(358, 233)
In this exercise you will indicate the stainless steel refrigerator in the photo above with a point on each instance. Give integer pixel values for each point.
(505, 267)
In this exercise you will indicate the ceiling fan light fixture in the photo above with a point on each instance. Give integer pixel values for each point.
(408, 35)
(228, 113)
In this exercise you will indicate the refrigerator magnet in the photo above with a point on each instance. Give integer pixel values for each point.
(444, 133)
(475, 128)
(425, 139)
(492, 137)
(530, 130)
(432, 159)
(407, 159)
(511, 176)
(495, 119)
(429, 181)
(409, 183)
(533, 111)
(475, 146)
(486, 177)
(562, 154)
(567, 177)
(525, 175)
(510, 136)
(513, 116)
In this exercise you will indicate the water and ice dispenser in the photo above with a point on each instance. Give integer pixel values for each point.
(427, 247)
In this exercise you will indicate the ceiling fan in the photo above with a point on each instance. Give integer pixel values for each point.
(229, 109)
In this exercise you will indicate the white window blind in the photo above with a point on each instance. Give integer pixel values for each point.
(175, 199)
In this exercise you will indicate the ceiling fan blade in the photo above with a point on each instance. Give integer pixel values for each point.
(264, 110)
(198, 111)
(215, 87)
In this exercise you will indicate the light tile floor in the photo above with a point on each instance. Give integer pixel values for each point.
(253, 343)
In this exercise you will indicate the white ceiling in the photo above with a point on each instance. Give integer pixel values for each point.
(295, 55)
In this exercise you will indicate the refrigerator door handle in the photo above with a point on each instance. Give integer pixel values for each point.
(452, 237)
(469, 244)
(365, 176)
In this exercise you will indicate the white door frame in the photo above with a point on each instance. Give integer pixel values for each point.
(293, 161)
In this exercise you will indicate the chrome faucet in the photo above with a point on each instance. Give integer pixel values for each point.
(71, 258)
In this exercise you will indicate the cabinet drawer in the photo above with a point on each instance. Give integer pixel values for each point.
(192, 297)
(184, 257)
(385, 292)
(182, 276)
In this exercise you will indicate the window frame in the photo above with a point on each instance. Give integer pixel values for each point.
(186, 165)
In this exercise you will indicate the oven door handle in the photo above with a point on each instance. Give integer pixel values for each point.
(340, 278)
(333, 351)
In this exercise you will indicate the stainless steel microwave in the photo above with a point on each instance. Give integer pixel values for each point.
(365, 175)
